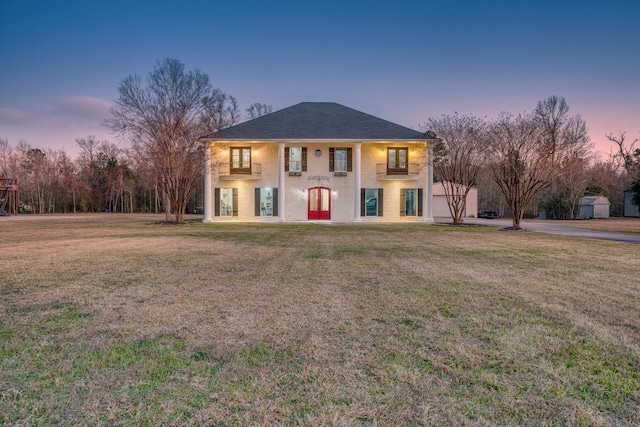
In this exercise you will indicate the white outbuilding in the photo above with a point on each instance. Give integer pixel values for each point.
(594, 207)
(441, 207)
(630, 208)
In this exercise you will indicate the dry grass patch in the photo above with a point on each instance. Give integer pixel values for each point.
(120, 321)
(621, 225)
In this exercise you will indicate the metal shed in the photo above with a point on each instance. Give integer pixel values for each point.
(594, 207)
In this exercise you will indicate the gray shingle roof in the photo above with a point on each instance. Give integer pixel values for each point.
(318, 120)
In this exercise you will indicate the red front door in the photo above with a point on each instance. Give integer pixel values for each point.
(319, 203)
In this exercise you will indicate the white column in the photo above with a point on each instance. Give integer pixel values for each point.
(281, 189)
(207, 183)
(429, 195)
(357, 154)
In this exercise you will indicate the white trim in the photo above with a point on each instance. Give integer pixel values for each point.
(429, 195)
(357, 183)
(315, 141)
(207, 184)
(281, 188)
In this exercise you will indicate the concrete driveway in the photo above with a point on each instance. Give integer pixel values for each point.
(554, 228)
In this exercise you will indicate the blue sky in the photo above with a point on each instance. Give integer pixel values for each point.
(404, 61)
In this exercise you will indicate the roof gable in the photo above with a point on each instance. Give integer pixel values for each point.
(318, 120)
(594, 200)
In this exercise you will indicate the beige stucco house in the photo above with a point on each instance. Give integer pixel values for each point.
(318, 161)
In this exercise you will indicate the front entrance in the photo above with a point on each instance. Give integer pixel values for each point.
(319, 203)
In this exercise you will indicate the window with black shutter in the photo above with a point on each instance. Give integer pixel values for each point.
(266, 202)
(225, 201)
(371, 202)
(340, 160)
(295, 160)
(410, 201)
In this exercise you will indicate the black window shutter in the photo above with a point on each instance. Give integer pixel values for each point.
(403, 203)
(349, 159)
(275, 202)
(216, 202)
(363, 201)
(286, 159)
(304, 159)
(331, 152)
(420, 194)
(380, 198)
(257, 202)
(235, 202)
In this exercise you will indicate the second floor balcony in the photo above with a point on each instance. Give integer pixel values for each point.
(411, 172)
(239, 170)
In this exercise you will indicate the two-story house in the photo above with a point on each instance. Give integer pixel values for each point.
(318, 161)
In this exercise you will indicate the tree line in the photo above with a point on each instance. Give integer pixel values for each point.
(526, 164)
(523, 164)
(103, 178)
(162, 117)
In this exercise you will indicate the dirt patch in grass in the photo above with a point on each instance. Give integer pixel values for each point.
(118, 321)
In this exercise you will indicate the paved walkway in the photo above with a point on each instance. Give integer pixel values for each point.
(555, 228)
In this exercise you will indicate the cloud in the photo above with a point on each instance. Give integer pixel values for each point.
(83, 108)
(12, 117)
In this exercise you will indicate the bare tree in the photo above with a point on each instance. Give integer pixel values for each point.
(257, 110)
(88, 189)
(5, 152)
(567, 141)
(220, 111)
(627, 153)
(520, 161)
(629, 157)
(164, 119)
(457, 157)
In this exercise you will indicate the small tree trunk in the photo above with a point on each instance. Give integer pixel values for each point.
(167, 206)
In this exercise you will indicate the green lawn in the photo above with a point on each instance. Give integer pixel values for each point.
(115, 320)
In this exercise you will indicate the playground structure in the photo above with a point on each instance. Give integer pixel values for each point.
(8, 196)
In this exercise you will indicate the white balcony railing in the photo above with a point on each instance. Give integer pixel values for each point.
(239, 171)
(410, 172)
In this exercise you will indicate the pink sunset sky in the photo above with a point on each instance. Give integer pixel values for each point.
(401, 61)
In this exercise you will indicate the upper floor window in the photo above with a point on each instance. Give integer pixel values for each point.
(340, 160)
(397, 163)
(240, 160)
(295, 160)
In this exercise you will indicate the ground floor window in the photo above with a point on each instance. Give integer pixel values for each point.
(411, 201)
(266, 202)
(226, 202)
(371, 202)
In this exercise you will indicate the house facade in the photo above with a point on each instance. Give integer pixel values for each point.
(318, 161)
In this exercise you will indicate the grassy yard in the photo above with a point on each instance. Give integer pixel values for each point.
(115, 320)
